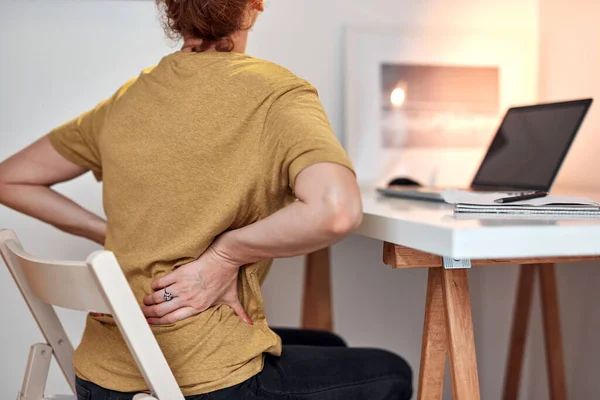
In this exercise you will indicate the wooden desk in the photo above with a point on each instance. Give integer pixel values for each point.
(419, 234)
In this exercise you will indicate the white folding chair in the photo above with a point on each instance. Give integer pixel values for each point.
(97, 285)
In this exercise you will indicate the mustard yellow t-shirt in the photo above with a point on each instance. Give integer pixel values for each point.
(196, 146)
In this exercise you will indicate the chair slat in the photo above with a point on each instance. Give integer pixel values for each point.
(68, 286)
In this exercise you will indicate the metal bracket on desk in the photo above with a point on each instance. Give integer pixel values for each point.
(453, 263)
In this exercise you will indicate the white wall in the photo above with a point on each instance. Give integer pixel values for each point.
(569, 64)
(60, 57)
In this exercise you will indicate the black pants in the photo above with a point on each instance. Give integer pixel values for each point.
(314, 365)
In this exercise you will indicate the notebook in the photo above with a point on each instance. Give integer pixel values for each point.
(484, 203)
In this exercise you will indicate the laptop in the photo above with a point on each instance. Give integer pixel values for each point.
(525, 155)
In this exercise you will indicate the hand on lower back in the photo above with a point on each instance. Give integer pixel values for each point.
(209, 281)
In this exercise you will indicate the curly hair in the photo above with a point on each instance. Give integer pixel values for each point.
(212, 21)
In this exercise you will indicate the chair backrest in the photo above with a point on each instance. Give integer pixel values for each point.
(97, 285)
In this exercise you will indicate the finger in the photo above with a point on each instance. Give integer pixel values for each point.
(166, 280)
(238, 309)
(175, 316)
(158, 297)
(162, 309)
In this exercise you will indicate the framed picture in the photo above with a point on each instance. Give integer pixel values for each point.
(420, 101)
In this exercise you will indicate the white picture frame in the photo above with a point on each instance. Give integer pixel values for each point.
(367, 48)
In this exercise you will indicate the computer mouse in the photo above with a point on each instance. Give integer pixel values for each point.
(403, 182)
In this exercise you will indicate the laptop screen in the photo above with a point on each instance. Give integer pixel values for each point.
(531, 145)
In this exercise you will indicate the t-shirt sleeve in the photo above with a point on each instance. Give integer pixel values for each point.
(78, 139)
(297, 135)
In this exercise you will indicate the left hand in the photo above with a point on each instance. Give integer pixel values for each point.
(209, 281)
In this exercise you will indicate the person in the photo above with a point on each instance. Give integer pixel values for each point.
(213, 163)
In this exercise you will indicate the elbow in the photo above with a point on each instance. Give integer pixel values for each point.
(4, 183)
(344, 217)
(5, 178)
(3, 191)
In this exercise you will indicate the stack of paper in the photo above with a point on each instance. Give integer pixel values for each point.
(484, 203)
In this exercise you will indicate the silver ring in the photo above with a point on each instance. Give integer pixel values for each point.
(167, 296)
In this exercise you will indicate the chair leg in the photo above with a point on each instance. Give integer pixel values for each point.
(521, 313)
(36, 373)
(317, 305)
(552, 332)
(435, 343)
(461, 339)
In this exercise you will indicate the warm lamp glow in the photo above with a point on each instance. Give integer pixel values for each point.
(398, 96)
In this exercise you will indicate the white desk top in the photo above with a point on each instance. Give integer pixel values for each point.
(433, 228)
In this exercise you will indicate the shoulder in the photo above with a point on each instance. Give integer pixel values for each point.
(271, 75)
(132, 81)
(127, 85)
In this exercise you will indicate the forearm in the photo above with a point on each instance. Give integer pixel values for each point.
(295, 230)
(45, 204)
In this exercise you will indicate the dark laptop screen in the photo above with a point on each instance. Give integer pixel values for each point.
(531, 145)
